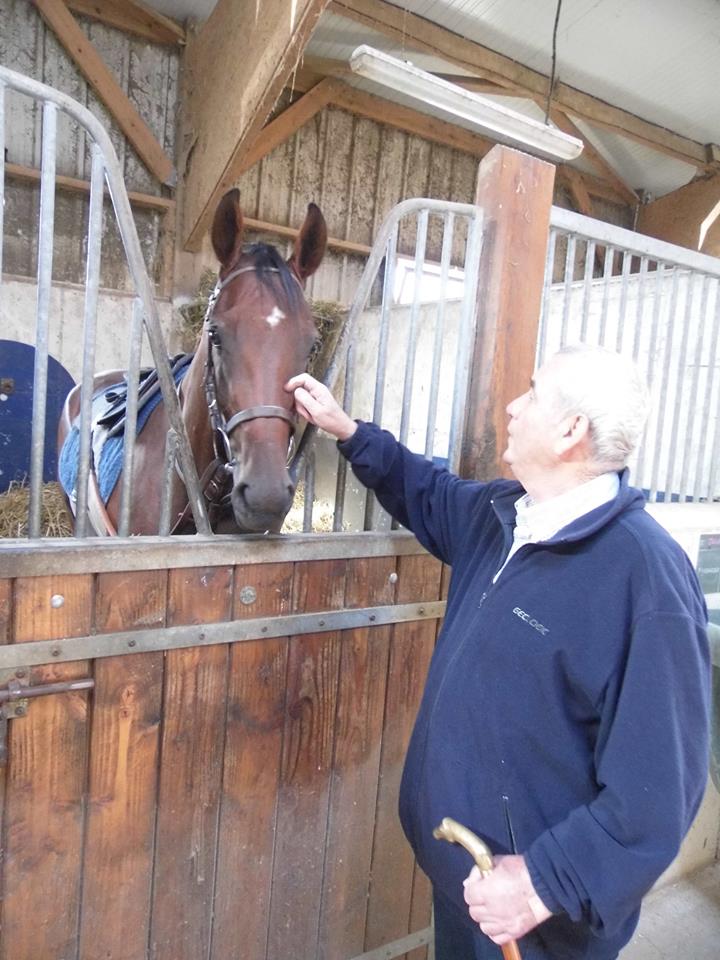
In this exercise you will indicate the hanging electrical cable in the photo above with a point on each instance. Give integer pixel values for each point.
(554, 59)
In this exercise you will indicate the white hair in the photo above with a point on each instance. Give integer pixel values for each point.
(611, 392)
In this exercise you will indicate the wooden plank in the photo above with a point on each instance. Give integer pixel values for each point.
(253, 751)
(5, 610)
(16, 171)
(516, 193)
(46, 780)
(56, 14)
(253, 55)
(285, 125)
(131, 16)
(122, 786)
(190, 771)
(358, 731)
(390, 906)
(306, 767)
(421, 34)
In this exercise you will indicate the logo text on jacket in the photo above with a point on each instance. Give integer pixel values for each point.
(535, 624)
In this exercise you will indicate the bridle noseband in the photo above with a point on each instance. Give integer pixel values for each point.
(222, 428)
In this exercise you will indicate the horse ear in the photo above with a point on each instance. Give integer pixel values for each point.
(310, 244)
(227, 227)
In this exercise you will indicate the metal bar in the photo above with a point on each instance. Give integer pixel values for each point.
(662, 414)
(651, 366)
(715, 452)
(642, 277)
(679, 380)
(607, 277)
(707, 404)
(567, 287)
(411, 350)
(693, 415)
(587, 287)
(309, 492)
(466, 335)
(398, 947)
(338, 512)
(44, 281)
(370, 512)
(92, 647)
(636, 243)
(624, 284)
(45, 690)
(131, 410)
(62, 556)
(168, 475)
(448, 229)
(92, 284)
(545, 308)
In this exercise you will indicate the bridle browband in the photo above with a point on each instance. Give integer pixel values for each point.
(222, 428)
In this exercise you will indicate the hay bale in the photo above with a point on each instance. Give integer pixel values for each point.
(56, 518)
(322, 515)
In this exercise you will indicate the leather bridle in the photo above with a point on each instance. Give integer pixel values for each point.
(222, 428)
(216, 482)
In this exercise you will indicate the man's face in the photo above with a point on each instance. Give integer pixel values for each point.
(534, 428)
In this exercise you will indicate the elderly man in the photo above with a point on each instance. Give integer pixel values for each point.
(565, 714)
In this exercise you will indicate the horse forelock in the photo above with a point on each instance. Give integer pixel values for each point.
(272, 271)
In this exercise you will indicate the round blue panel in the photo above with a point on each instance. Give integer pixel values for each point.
(17, 361)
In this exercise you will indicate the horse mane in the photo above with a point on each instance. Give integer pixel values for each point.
(272, 269)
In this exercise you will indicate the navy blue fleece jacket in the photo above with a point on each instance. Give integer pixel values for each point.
(566, 707)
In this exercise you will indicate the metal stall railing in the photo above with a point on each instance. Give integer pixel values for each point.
(404, 366)
(660, 304)
(105, 171)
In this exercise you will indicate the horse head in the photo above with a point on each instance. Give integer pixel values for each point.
(258, 332)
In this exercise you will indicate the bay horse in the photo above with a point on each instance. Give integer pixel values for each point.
(257, 333)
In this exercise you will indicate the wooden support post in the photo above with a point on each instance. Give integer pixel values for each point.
(515, 191)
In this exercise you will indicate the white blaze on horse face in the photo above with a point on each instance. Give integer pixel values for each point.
(275, 316)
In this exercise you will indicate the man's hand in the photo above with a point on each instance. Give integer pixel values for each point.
(315, 402)
(504, 903)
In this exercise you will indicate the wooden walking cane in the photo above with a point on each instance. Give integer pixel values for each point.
(455, 832)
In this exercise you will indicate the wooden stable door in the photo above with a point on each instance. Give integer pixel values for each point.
(231, 801)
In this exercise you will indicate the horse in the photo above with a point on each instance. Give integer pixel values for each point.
(257, 333)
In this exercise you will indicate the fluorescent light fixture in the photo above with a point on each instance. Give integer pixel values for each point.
(479, 113)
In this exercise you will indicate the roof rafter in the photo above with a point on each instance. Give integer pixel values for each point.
(427, 36)
(92, 66)
(132, 16)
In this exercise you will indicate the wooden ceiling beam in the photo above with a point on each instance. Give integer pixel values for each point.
(422, 34)
(133, 17)
(91, 65)
(235, 69)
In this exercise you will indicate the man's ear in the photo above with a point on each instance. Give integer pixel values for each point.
(574, 437)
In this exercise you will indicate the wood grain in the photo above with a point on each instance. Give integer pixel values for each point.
(191, 770)
(122, 784)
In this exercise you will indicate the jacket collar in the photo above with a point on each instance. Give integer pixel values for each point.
(628, 498)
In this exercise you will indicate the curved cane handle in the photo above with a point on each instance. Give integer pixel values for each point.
(455, 832)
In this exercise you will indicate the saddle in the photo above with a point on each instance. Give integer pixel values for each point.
(112, 417)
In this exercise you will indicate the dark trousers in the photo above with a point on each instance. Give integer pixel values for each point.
(455, 939)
